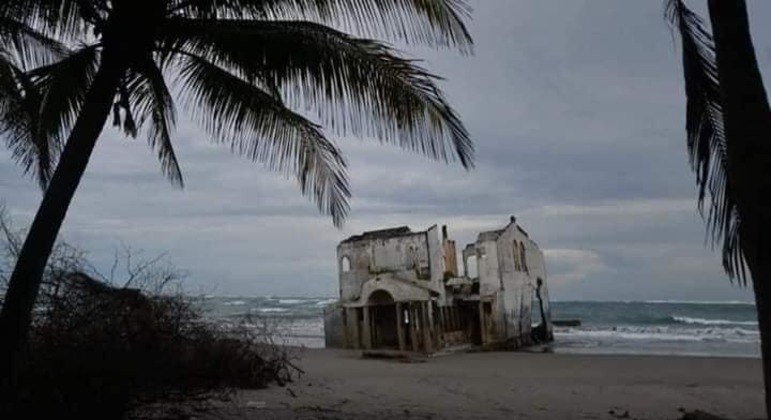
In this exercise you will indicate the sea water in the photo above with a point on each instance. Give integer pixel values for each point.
(651, 327)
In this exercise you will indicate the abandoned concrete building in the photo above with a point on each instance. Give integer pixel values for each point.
(401, 290)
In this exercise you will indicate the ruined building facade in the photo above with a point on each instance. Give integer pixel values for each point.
(401, 290)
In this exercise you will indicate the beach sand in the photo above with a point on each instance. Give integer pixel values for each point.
(340, 384)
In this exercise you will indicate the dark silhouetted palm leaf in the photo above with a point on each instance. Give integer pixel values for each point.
(431, 22)
(706, 135)
(243, 65)
(22, 126)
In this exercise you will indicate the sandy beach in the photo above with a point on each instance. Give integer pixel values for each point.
(340, 384)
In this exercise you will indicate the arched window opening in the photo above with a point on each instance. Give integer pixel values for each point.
(345, 264)
(522, 259)
(516, 254)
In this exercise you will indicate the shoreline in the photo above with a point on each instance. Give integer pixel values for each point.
(490, 385)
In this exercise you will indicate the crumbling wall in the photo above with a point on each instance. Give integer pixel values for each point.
(489, 273)
(403, 253)
(359, 257)
(537, 267)
(450, 258)
(407, 254)
(519, 272)
(436, 261)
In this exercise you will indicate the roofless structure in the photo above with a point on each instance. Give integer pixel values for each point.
(402, 290)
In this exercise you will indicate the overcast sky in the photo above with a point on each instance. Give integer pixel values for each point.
(577, 111)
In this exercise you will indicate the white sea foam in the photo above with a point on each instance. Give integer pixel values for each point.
(235, 303)
(661, 301)
(271, 310)
(290, 301)
(325, 302)
(659, 333)
(699, 302)
(704, 321)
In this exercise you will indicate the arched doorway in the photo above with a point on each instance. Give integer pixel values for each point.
(384, 320)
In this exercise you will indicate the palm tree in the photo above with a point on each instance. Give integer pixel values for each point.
(729, 138)
(239, 67)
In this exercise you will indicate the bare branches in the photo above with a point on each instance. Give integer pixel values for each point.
(98, 350)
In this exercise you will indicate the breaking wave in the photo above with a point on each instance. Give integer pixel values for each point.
(703, 321)
(290, 301)
(674, 334)
(270, 310)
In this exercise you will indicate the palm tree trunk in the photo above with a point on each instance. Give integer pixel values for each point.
(763, 305)
(748, 132)
(27, 276)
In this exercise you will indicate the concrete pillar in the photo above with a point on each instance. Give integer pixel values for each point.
(442, 325)
(482, 323)
(366, 328)
(352, 332)
(414, 327)
(400, 325)
(433, 321)
(457, 325)
(427, 324)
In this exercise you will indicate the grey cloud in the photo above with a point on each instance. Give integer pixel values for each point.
(577, 112)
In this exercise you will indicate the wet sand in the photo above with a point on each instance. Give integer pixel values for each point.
(340, 384)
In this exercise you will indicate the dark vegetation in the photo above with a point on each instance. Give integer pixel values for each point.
(98, 350)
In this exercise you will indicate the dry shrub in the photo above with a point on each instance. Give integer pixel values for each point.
(100, 350)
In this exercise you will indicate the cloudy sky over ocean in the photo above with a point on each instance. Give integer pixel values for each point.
(577, 111)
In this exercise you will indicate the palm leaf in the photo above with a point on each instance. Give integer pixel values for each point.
(31, 48)
(150, 97)
(706, 135)
(258, 125)
(431, 22)
(19, 104)
(63, 87)
(65, 20)
(357, 86)
(39, 107)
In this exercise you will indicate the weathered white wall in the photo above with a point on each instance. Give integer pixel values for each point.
(400, 253)
(405, 254)
(436, 261)
(487, 263)
(360, 256)
(519, 285)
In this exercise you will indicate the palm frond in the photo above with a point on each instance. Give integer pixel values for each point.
(150, 97)
(431, 22)
(38, 108)
(63, 87)
(357, 86)
(259, 126)
(706, 135)
(65, 20)
(19, 106)
(31, 47)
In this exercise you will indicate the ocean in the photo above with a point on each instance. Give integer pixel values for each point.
(651, 327)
